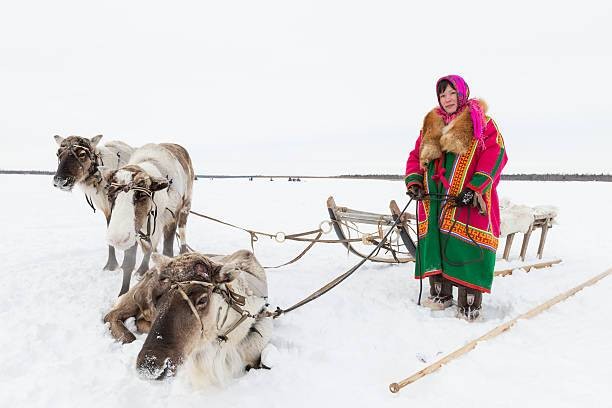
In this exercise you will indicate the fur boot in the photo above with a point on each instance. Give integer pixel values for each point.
(469, 303)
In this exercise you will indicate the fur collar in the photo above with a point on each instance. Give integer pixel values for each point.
(456, 137)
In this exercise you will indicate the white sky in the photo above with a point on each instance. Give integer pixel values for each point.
(303, 87)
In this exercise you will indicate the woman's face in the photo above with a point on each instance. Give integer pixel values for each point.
(448, 100)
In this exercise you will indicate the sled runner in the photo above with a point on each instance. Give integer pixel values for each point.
(401, 247)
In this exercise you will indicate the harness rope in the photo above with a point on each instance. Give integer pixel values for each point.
(449, 202)
(114, 188)
(235, 301)
(340, 278)
(301, 237)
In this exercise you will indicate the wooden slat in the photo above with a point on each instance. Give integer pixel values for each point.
(545, 228)
(509, 240)
(525, 244)
(528, 267)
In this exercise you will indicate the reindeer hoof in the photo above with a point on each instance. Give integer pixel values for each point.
(126, 338)
(110, 266)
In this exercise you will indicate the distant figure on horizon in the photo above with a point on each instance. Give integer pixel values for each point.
(453, 172)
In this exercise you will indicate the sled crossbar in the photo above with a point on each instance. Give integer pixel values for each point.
(346, 214)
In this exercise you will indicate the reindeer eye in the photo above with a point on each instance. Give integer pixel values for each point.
(139, 195)
(202, 300)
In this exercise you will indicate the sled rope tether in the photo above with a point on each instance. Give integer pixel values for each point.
(339, 279)
(396, 387)
(280, 237)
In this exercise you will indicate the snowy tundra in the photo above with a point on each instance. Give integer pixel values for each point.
(343, 349)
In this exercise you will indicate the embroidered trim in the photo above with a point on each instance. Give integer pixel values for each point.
(429, 273)
(413, 178)
(483, 238)
(423, 226)
(448, 218)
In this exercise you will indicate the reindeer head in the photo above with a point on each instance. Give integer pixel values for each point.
(131, 192)
(188, 313)
(76, 160)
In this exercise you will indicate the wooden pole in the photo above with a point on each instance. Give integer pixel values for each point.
(396, 387)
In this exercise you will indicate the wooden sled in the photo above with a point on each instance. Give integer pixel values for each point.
(345, 220)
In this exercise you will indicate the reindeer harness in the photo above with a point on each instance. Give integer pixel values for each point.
(234, 300)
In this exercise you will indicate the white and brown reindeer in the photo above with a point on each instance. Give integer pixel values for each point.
(79, 159)
(150, 197)
(207, 314)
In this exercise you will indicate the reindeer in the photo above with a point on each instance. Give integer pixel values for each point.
(79, 159)
(207, 313)
(149, 196)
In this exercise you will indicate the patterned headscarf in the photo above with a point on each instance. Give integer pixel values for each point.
(463, 93)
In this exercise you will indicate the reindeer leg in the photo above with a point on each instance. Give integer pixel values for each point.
(144, 265)
(111, 261)
(136, 303)
(182, 222)
(143, 325)
(169, 233)
(125, 308)
(129, 261)
(252, 345)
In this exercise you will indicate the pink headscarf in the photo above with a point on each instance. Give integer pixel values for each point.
(463, 93)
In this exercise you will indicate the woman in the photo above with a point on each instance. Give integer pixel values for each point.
(453, 172)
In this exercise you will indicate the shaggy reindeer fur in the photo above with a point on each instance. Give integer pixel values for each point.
(455, 137)
(204, 358)
(166, 170)
(218, 362)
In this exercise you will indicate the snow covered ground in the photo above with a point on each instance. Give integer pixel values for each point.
(345, 348)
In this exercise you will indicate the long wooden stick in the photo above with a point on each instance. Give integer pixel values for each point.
(527, 267)
(396, 387)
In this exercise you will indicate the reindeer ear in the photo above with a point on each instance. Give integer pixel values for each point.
(228, 272)
(94, 141)
(58, 139)
(203, 271)
(160, 260)
(158, 183)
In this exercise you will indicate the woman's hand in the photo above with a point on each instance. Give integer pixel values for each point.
(470, 198)
(416, 192)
